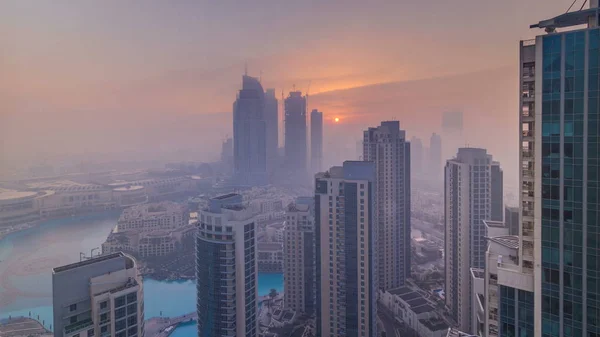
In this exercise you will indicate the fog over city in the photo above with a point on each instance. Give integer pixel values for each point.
(156, 81)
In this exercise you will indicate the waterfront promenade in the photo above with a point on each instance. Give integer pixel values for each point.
(164, 326)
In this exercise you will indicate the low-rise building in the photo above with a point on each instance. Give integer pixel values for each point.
(20, 207)
(411, 308)
(150, 217)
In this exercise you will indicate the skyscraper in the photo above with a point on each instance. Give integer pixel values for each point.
(468, 202)
(345, 248)
(435, 156)
(272, 125)
(387, 147)
(295, 132)
(299, 256)
(102, 296)
(226, 269)
(249, 134)
(452, 132)
(558, 262)
(416, 153)
(316, 140)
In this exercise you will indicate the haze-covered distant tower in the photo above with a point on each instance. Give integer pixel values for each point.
(452, 132)
(249, 134)
(416, 152)
(435, 156)
(295, 132)
(226, 269)
(316, 140)
(346, 252)
(299, 256)
(387, 147)
(468, 201)
(554, 279)
(272, 124)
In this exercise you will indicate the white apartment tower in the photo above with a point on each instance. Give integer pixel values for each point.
(345, 240)
(226, 269)
(102, 296)
(299, 256)
(387, 147)
(468, 202)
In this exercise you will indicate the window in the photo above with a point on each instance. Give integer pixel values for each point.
(103, 305)
(120, 325)
(91, 332)
(132, 297)
(73, 307)
(103, 317)
(73, 319)
(120, 313)
(120, 301)
(104, 329)
(131, 309)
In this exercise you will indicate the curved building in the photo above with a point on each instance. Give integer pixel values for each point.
(20, 207)
(226, 269)
(127, 196)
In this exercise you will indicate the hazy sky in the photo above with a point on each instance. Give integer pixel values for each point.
(100, 76)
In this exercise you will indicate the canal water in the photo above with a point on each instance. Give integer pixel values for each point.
(27, 259)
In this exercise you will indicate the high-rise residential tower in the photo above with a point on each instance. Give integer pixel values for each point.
(102, 296)
(435, 157)
(552, 287)
(387, 147)
(299, 256)
(468, 202)
(316, 141)
(272, 126)
(295, 132)
(452, 132)
(226, 269)
(249, 134)
(346, 263)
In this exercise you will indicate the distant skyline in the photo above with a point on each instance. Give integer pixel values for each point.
(110, 76)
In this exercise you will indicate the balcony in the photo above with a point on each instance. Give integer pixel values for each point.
(69, 329)
(527, 135)
(528, 155)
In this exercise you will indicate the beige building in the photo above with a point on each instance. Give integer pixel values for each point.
(20, 207)
(299, 256)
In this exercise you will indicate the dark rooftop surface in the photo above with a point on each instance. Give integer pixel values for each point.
(87, 262)
(417, 303)
(225, 196)
(434, 324)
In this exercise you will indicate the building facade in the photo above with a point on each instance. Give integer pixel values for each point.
(346, 236)
(316, 141)
(558, 251)
(102, 296)
(227, 269)
(468, 202)
(249, 134)
(387, 147)
(272, 126)
(295, 132)
(299, 256)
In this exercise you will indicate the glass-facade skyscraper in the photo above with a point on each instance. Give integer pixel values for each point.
(559, 234)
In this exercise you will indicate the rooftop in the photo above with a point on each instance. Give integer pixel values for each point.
(508, 241)
(478, 273)
(87, 262)
(434, 324)
(495, 224)
(11, 194)
(415, 300)
(457, 333)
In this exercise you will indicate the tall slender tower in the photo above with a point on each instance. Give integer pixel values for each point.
(316, 140)
(435, 156)
(346, 236)
(416, 159)
(295, 132)
(299, 256)
(468, 202)
(249, 134)
(554, 279)
(387, 147)
(226, 269)
(272, 125)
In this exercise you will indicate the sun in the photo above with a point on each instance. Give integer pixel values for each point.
(336, 119)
